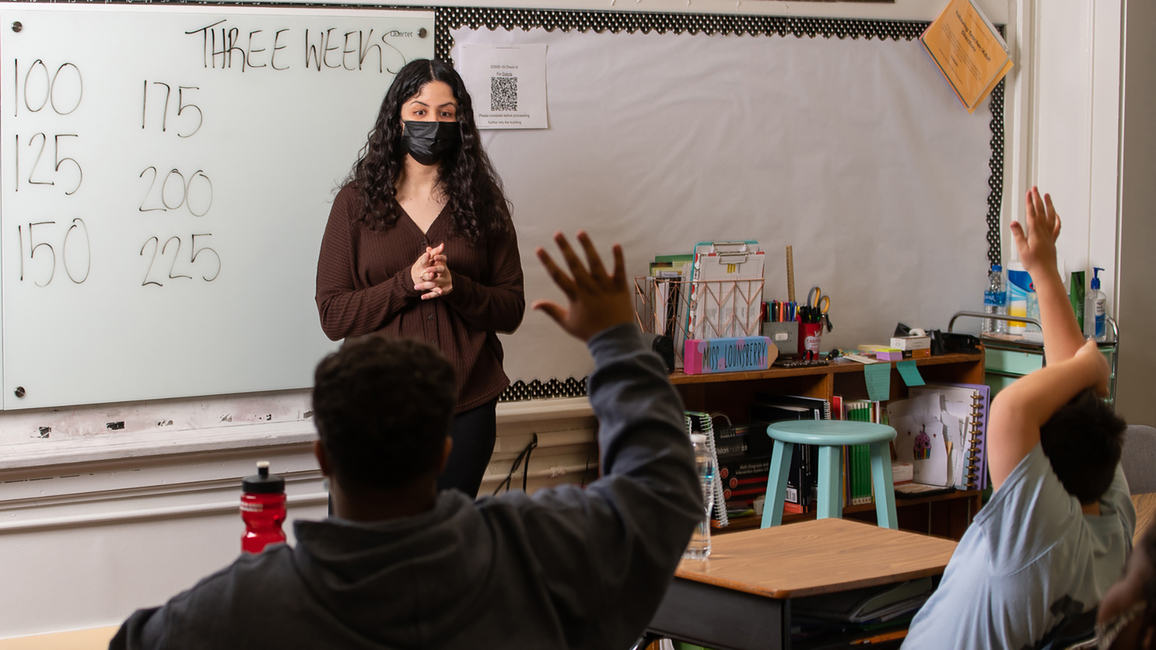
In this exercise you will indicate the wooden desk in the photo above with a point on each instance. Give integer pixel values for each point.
(93, 639)
(739, 599)
(1145, 513)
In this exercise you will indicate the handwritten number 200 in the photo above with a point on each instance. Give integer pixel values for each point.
(162, 250)
(162, 203)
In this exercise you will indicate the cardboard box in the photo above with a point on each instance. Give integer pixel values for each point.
(910, 343)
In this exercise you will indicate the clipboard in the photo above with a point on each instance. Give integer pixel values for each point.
(726, 290)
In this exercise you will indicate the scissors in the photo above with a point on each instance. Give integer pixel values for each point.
(818, 305)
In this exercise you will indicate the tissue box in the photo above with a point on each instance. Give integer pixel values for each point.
(784, 335)
(911, 343)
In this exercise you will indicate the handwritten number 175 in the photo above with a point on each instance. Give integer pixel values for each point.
(182, 106)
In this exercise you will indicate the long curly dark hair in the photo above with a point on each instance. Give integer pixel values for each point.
(474, 193)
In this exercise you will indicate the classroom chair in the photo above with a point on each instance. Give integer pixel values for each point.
(830, 436)
(1139, 458)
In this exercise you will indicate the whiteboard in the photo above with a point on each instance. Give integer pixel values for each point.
(853, 151)
(166, 174)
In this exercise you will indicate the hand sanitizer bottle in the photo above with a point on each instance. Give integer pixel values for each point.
(1094, 309)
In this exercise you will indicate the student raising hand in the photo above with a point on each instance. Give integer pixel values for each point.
(1037, 243)
(597, 300)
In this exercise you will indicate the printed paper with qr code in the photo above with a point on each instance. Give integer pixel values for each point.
(507, 84)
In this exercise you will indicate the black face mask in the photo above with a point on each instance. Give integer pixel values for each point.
(428, 142)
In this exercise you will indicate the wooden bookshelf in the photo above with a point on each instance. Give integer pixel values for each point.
(732, 394)
(942, 515)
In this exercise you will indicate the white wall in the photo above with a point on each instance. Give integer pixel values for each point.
(1076, 130)
(1091, 134)
(92, 529)
(1136, 291)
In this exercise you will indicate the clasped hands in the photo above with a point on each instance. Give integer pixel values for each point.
(430, 274)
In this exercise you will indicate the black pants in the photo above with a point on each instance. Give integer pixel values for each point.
(473, 433)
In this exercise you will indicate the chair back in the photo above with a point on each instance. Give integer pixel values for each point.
(1139, 458)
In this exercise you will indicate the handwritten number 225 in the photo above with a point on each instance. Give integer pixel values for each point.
(162, 249)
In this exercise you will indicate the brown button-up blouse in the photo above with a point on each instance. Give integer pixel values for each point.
(364, 286)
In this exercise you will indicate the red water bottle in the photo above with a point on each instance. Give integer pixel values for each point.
(262, 509)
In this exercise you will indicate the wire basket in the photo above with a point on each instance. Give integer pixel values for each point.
(697, 309)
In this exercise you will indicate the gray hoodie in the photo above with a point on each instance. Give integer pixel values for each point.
(565, 568)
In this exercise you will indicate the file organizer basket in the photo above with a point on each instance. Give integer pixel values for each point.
(698, 309)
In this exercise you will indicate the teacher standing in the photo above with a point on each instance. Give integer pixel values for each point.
(420, 244)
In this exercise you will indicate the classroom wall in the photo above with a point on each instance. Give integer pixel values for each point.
(1076, 152)
(93, 537)
(106, 528)
(1136, 294)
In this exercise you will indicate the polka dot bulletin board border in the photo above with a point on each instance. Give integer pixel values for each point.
(450, 18)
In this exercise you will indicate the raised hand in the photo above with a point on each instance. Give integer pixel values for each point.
(597, 299)
(1037, 242)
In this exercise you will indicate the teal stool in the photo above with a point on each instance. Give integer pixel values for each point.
(830, 436)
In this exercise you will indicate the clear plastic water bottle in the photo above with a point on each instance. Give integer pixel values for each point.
(699, 548)
(995, 301)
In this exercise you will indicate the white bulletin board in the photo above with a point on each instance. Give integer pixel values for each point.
(839, 138)
(166, 172)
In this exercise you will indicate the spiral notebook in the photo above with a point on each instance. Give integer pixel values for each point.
(697, 422)
(970, 403)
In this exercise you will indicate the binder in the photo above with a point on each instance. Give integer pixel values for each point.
(974, 401)
(803, 476)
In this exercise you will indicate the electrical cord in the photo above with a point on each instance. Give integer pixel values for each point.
(524, 454)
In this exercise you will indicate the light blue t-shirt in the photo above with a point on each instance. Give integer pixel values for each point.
(1030, 557)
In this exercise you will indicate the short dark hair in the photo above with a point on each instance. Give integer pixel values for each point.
(383, 407)
(1083, 441)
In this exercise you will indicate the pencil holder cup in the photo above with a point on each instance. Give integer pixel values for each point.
(784, 335)
(809, 334)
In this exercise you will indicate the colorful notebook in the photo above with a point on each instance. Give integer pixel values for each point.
(972, 402)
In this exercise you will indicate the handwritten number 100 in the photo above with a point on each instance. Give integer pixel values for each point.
(46, 95)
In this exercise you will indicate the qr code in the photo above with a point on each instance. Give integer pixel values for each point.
(503, 93)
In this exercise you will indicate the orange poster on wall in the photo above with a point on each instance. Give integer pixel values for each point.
(970, 53)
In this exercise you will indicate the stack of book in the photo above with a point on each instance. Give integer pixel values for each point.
(857, 484)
